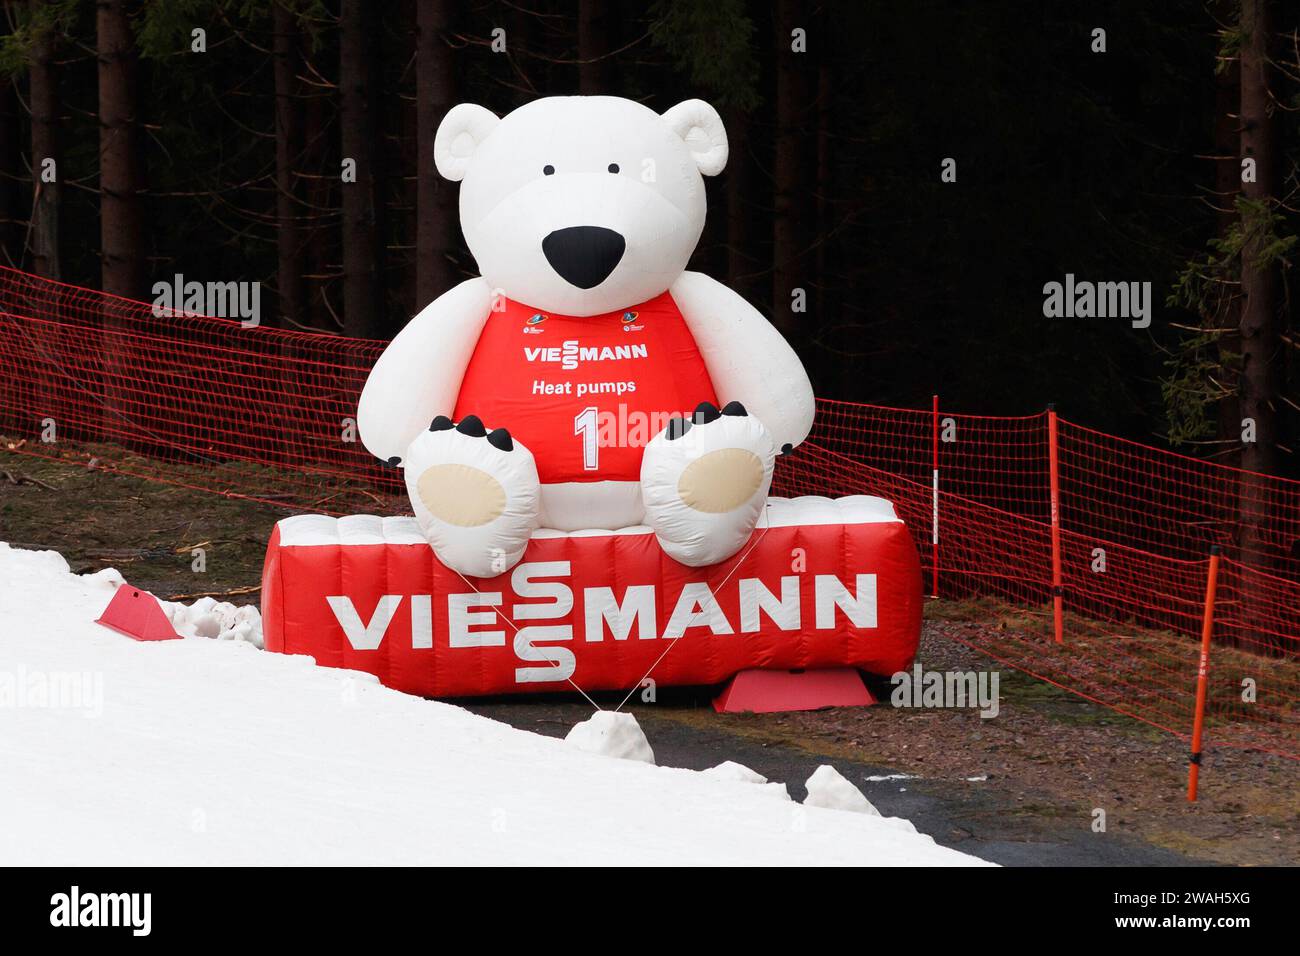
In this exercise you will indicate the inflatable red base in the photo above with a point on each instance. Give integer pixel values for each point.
(822, 583)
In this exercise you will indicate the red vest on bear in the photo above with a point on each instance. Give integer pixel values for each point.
(585, 394)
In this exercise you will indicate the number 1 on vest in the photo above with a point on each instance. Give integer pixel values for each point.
(585, 425)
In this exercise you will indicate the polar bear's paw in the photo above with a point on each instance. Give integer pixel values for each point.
(704, 481)
(475, 494)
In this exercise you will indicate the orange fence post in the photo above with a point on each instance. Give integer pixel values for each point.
(934, 513)
(1203, 674)
(1054, 473)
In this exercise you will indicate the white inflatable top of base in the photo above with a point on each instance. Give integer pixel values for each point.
(306, 530)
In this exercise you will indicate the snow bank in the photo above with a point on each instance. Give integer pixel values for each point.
(202, 752)
(612, 734)
(206, 617)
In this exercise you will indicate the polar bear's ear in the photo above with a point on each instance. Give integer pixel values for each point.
(699, 124)
(459, 135)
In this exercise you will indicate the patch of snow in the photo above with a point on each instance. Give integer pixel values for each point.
(730, 770)
(890, 776)
(200, 753)
(828, 788)
(612, 734)
(107, 578)
(980, 779)
(739, 773)
(216, 620)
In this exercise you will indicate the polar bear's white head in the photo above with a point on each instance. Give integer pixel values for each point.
(582, 204)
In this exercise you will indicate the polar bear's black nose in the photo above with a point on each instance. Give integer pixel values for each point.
(584, 255)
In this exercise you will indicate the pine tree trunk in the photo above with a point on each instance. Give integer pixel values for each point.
(319, 235)
(437, 222)
(740, 265)
(46, 200)
(363, 237)
(847, 373)
(14, 203)
(1259, 285)
(16, 395)
(1259, 281)
(785, 170)
(288, 151)
(120, 216)
(1259, 307)
(594, 32)
(120, 177)
(1227, 317)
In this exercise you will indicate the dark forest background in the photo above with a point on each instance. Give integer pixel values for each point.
(1122, 165)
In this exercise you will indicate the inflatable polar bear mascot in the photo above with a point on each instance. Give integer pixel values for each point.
(586, 380)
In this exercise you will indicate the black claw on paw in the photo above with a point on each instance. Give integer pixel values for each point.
(734, 408)
(393, 462)
(706, 412)
(787, 448)
(500, 438)
(472, 426)
(440, 424)
(677, 427)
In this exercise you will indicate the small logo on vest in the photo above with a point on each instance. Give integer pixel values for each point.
(532, 325)
(629, 322)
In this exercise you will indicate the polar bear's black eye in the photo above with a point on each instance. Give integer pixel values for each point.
(548, 170)
(613, 167)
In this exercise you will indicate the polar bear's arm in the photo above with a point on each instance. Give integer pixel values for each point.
(748, 359)
(419, 374)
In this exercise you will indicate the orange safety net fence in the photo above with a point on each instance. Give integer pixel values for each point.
(269, 414)
(1136, 527)
(255, 413)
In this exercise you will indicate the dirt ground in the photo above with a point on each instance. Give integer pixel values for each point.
(1024, 787)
